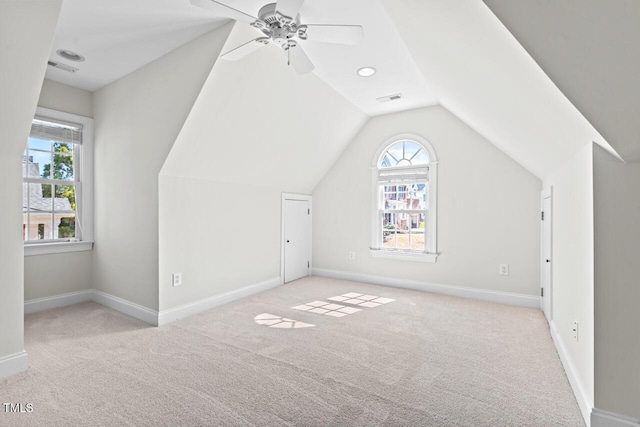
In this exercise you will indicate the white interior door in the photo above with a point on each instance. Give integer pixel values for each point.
(546, 257)
(297, 238)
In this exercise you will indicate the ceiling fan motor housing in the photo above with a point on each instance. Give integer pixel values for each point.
(279, 28)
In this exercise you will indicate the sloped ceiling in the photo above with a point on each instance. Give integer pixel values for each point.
(257, 122)
(591, 50)
(483, 75)
(117, 37)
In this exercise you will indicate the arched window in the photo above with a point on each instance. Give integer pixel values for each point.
(404, 199)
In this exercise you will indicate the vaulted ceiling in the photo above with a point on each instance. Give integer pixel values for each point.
(591, 51)
(453, 52)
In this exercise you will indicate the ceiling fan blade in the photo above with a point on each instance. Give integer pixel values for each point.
(217, 7)
(289, 8)
(244, 49)
(300, 61)
(343, 34)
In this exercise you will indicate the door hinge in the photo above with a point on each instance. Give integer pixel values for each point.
(307, 264)
(308, 211)
(541, 292)
(542, 216)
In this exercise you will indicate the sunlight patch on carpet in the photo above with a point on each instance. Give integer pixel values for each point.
(327, 308)
(362, 300)
(273, 321)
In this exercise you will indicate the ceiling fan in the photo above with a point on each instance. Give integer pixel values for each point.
(280, 24)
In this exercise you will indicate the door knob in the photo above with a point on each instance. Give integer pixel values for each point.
(547, 260)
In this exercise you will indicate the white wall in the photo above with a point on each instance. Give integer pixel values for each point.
(488, 209)
(257, 129)
(137, 120)
(60, 97)
(572, 263)
(26, 31)
(55, 274)
(617, 293)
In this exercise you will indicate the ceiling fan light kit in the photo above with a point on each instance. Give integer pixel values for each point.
(280, 24)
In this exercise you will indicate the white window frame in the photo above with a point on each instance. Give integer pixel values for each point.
(84, 209)
(376, 249)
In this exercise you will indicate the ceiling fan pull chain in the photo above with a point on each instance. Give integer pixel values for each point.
(289, 56)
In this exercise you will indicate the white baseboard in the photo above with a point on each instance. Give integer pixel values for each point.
(13, 364)
(127, 307)
(186, 310)
(438, 288)
(143, 313)
(600, 418)
(62, 300)
(585, 402)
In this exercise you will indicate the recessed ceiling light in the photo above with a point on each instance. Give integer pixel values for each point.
(70, 55)
(366, 71)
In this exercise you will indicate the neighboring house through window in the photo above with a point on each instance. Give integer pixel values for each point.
(57, 170)
(404, 200)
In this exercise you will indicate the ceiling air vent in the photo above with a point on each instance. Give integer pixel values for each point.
(390, 97)
(62, 66)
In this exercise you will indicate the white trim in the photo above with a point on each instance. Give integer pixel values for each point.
(295, 196)
(127, 307)
(407, 256)
(84, 188)
(584, 401)
(62, 300)
(431, 228)
(547, 193)
(438, 288)
(600, 418)
(13, 364)
(31, 249)
(143, 313)
(186, 310)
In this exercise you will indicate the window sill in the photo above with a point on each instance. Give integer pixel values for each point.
(404, 256)
(56, 248)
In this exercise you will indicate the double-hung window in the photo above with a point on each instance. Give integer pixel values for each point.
(404, 200)
(56, 188)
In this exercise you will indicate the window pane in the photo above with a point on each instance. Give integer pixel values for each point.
(410, 149)
(404, 153)
(63, 166)
(39, 144)
(395, 151)
(387, 161)
(66, 226)
(422, 158)
(417, 232)
(41, 226)
(34, 231)
(402, 231)
(388, 230)
(39, 197)
(405, 197)
(65, 198)
(62, 147)
(38, 164)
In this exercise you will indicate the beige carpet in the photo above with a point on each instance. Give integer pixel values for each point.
(420, 360)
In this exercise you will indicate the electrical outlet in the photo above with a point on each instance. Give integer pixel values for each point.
(177, 279)
(504, 269)
(352, 255)
(575, 330)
